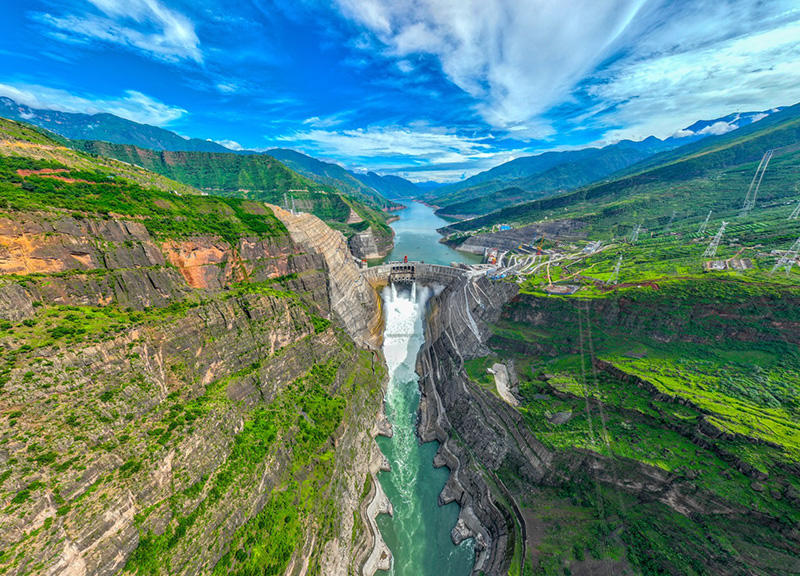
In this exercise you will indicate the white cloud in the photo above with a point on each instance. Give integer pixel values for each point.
(652, 65)
(684, 133)
(133, 105)
(230, 144)
(655, 95)
(718, 128)
(142, 25)
(517, 57)
(429, 152)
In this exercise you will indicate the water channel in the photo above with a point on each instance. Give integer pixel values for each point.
(419, 532)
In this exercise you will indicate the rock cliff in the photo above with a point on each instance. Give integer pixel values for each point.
(452, 407)
(168, 403)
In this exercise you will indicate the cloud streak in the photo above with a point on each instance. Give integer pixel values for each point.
(141, 25)
(422, 151)
(517, 58)
(132, 105)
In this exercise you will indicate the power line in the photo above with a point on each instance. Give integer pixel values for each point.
(635, 233)
(752, 192)
(615, 274)
(794, 215)
(704, 225)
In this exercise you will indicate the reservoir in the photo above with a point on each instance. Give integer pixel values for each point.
(416, 237)
(419, 532)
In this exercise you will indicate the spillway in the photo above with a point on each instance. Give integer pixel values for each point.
(419, 532)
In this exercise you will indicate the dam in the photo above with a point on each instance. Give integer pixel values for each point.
(417, 272)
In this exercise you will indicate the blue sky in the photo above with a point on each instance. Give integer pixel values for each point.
(428, 89)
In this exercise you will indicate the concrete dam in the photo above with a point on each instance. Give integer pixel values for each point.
(420, 272)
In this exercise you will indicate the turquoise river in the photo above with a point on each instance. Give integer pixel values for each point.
(419, 532)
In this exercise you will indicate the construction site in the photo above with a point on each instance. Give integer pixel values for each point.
(566, 261)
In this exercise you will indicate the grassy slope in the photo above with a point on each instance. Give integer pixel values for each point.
(24, 140)
(254, 176)
(696, 373)
(704, 176)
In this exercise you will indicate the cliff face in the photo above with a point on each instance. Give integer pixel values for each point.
(174, 405)
(598, 434)
(456, 327)
(369, 246)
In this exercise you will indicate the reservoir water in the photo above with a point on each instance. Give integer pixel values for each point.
(415, 236)
(419, 532)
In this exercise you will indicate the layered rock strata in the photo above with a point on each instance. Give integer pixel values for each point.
(488, 429)
(135, 369)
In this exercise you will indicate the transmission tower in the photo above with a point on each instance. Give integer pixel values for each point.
(285, 202)
(794, 215)
(615, 274)
(752, 192)
(635, 233)
(711, 251)
(294, 209)
(788, 259)
(704, 225)
(671, 220)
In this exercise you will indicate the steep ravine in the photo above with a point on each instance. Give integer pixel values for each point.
(472, 430)
(486, 441)
(167, 404)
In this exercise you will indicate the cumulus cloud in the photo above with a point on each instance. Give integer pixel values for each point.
(518, 58)
(142, 25)
(718, 128)
(636, 67)
(132, 105)
(230, 144)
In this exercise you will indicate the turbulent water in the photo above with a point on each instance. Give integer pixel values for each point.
(419, 532)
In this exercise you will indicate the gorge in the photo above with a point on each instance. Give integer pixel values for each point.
(195, 384)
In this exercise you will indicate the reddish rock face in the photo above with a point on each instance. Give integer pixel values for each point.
(51, 243)
(203, 263)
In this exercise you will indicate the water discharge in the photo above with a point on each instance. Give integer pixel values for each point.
(419, 532)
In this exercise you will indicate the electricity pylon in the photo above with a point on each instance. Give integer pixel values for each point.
(704, 225)
(671, 220)
(711, 251)
(752, 192)
(615, 274)
(788, 259)
(794, 215)
(635, 233)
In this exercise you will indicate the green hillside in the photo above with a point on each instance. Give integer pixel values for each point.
(141, 326)
(380, 190)
(253, 176)
(713, 175)
(531, 177)
(668, 397)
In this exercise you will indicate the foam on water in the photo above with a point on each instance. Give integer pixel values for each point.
(419, 532)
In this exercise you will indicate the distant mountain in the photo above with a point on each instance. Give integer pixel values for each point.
(429, 185)
(106, 127)
(393, 187)
(531, 177)
(369, 184)
(711, 174)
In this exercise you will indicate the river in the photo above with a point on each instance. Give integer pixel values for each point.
(417, 238)
(419, 532)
